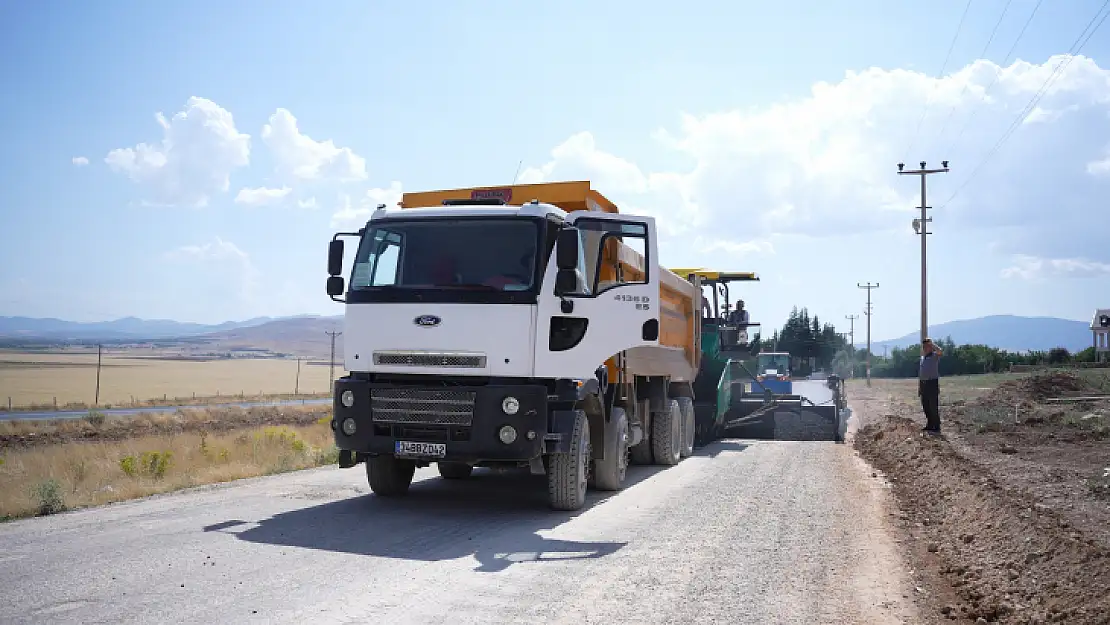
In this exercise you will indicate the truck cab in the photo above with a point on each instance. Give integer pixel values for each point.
(482, 332)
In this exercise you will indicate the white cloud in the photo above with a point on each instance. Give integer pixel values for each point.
(216, 250)
(261, 196)
(200, 148)
(1028, 267)
(824, 165)
(301, 157)
(354, 214)
(80, 161)
(221, 258)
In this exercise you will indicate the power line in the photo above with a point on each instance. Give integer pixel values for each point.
(982, 54)
(1036, 97)
(997, 75)
(943, 67)
(331, 360)
(867, 311)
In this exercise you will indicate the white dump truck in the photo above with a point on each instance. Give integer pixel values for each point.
(525, 326)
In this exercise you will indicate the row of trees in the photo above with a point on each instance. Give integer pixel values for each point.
(808, 340)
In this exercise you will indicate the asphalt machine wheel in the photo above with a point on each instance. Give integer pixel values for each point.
(568, 473)
(610, 471)
(666, 435)
(687, 406)
(389, 476)
(454, 470)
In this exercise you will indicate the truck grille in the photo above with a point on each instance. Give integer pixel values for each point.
(427, 406)
(430, 359)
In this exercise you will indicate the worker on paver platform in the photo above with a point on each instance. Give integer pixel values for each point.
(928, 384)
(738, 315)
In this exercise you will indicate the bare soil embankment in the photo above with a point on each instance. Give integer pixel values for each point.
(1009, 510)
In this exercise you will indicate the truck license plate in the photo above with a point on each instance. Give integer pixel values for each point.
(423, 450)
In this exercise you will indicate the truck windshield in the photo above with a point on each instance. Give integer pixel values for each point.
(487, 254)
(778, 362)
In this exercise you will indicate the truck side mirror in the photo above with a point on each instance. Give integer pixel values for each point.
(566, 282)
(566, 250)
(335, 258)
(335, 286)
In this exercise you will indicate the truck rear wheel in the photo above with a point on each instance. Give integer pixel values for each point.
(389, 476)
(687, 407)
(666, 435)
(610, 471)
(454, 470)
(568, 473)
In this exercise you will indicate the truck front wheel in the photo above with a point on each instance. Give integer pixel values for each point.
(389, 476)
(568, 473)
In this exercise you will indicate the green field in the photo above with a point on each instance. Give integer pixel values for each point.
(68, 378)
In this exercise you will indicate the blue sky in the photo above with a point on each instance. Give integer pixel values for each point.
(737, 124)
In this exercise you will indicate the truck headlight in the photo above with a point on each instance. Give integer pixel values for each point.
(507, 434)
(349, 426)
(510, 406)
(348, 398)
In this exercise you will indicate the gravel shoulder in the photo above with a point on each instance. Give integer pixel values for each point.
(745, 531)
(1006, 515)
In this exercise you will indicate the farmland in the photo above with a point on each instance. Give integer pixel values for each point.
(131, 376)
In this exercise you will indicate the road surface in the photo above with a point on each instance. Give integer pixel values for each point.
(45, 415)
(742, 532)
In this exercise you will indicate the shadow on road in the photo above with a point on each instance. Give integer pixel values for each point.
(492, 516)
(716, 448)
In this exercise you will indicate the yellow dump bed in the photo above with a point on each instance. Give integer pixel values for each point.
(679, 300)
(569, 196)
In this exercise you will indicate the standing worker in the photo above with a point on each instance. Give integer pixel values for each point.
(928, 384)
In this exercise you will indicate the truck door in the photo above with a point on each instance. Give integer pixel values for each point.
(616, 305)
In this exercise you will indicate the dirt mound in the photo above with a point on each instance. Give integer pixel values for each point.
(1007, 558)
(1035, 388)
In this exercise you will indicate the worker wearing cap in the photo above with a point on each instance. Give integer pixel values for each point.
(928, 384)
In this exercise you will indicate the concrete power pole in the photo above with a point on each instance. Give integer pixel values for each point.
(852, 329)
(331, 361)
(921, 227)
(867, 311)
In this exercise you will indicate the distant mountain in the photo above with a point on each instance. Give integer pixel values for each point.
(125, 328)
(1009, 332)
(301, 336)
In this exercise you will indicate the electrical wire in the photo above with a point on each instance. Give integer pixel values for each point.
(997, 75)
(943, 67)
(1037, 96)
(982, 55)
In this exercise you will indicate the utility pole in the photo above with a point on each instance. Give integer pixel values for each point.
(852, 330)
(921, 227)
(97, 399)
(297, 385)
(867, 311)
(331, 361)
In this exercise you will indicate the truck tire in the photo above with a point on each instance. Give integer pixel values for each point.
(687, 406)
(454, 470)
(569, 472)
(609, 472)
(389, 476)
(641, 452)
(666, 435)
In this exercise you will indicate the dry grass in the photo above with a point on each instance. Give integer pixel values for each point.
(40, 379)
(52, 478)
(96, 427)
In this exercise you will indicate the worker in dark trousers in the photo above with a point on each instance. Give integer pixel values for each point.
(928, 385)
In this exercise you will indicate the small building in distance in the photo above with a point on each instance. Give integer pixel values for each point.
(1100, 330)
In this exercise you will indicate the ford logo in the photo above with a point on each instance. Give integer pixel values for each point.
(427, 321)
